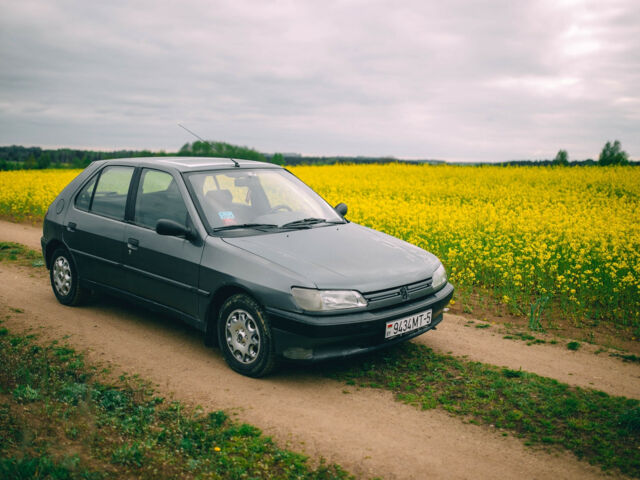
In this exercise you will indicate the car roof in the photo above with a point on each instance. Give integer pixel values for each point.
(189, 164)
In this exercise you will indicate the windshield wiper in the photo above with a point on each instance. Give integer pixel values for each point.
(257, 226)
(307, 222)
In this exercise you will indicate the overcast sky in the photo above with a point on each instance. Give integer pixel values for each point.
(458, 80)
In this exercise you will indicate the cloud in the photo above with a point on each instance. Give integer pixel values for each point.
(488, 80)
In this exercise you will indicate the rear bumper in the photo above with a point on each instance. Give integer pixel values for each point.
(306, 337)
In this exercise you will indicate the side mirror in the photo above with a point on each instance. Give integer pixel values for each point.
(341, 208)
(173, 229)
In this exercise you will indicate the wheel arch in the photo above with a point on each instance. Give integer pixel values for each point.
(217, 300)
(51, 247)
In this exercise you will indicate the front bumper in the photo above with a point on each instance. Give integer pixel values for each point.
(321, 337)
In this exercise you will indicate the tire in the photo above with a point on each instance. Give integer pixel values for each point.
(64, 279)
(245, 338)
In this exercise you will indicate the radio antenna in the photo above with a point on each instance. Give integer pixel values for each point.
(205, 141)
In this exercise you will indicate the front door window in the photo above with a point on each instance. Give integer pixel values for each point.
(158, 198)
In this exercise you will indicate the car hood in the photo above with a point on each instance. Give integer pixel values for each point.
(347, 256)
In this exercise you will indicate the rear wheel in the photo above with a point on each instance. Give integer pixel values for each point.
(245, 336)
(64, 279)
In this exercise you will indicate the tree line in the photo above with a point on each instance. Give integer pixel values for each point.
(611, 154)
(18, 157)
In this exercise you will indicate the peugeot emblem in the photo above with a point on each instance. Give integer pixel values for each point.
(404, 293)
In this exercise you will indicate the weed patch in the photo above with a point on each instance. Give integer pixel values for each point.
(14, 252)
(626, 357)
(50, 397)
(602, 429)
(573, 346)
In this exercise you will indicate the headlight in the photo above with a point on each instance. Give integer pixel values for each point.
(439, 277)
(322, 300)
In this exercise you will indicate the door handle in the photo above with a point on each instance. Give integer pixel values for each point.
(132, 243)
(71, 226)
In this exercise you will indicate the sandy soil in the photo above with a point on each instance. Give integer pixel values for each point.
(25, 234)
(365, 430)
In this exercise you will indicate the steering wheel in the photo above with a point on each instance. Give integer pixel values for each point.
(280, 207)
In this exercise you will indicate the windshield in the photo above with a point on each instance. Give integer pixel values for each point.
(260, 199)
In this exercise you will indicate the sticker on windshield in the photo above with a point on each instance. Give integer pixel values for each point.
(226, 215)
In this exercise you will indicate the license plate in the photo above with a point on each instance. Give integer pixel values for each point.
(408, 324)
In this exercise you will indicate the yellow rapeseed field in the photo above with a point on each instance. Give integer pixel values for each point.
(569, 236)
(26, 194)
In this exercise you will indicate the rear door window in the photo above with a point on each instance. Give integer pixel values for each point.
(83, 200)
(110, 196)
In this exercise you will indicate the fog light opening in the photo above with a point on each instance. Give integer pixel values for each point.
(298, 353)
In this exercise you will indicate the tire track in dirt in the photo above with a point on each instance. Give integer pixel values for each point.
(365, 431)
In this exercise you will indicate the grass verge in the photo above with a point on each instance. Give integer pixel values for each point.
(16, 253)
(599, 428)
(61, 419)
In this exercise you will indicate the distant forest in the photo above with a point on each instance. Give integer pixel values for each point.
(18, 157)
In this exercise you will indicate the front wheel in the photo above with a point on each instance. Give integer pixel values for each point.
(64, 279)
(245, 336)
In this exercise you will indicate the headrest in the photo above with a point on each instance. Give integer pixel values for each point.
(219, 196)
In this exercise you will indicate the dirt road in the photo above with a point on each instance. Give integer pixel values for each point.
(366, 431)
(28, 235)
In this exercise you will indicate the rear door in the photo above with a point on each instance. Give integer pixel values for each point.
(163, 269)
(94, 226)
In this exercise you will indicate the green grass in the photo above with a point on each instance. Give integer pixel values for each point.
(530, 339)
(62, 419)
(626, 357)
(573, 345)
(16, 253)
(599, 428)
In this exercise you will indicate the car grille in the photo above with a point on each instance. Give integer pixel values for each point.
(398, 295)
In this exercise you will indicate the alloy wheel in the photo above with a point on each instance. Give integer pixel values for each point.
(242, 336)
(62, 276)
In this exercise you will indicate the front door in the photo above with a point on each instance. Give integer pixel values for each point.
(163, 269)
